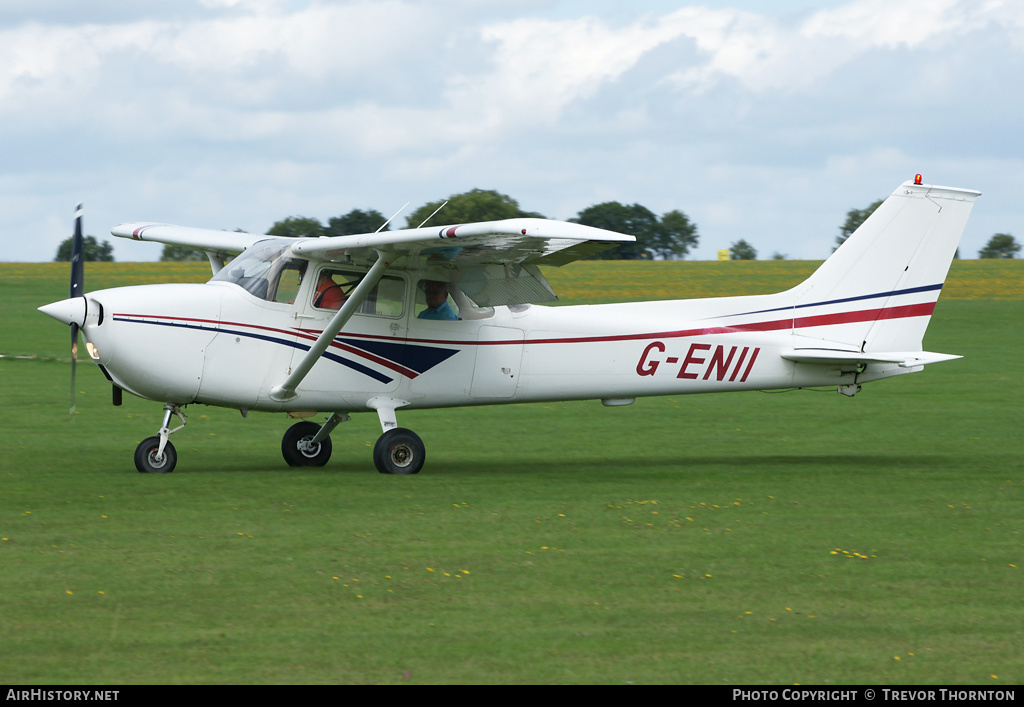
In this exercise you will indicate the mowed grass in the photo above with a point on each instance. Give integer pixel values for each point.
(797, 537)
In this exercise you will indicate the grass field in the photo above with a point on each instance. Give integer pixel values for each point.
(782, 538)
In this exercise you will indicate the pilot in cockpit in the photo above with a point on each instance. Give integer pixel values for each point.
(438, 306)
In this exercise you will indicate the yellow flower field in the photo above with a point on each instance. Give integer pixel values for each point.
(619, 281)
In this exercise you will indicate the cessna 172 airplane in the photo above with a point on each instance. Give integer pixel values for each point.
(439, 317)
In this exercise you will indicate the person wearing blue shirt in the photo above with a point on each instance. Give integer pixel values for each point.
(438, 307)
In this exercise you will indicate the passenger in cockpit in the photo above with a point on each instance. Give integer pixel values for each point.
(329, 294)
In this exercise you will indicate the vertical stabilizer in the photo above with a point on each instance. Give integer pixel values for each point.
(878, 290)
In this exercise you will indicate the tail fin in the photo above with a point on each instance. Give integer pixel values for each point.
(878, 290)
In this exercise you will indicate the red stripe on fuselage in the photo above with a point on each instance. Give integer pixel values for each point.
(903, 312)
(867, 315)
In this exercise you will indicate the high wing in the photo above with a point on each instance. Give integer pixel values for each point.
(532, 241)
(208, 239)
(492, 262)
(526, 240)
(219, 246)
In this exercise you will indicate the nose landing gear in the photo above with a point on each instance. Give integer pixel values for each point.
(156, 455)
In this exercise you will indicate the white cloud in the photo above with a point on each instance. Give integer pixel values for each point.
(240, 113)
(541, 66)
(909, 23)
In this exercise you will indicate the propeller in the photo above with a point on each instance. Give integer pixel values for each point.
(77, 290)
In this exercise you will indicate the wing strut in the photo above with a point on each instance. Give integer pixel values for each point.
(286, 391)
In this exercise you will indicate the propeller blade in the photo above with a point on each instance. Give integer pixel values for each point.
(77, 258)
(74, 363)
(77, 289)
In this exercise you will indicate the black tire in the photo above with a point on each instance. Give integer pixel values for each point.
(146, 461)
(295, 456)
(399, 451)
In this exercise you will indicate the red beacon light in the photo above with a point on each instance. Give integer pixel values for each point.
(917, 179)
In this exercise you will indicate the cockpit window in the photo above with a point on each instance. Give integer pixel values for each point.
(266, 271)
(333, 287)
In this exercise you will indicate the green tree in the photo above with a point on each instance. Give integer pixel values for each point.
(678, 235)
(671, 236)
(92, 250)
(1001, 245)
(472, 206)
(854, 218)
(741, 250)
(297, 227)
(182, 254)
(635, 220)
(355, 221)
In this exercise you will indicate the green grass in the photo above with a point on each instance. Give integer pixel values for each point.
(747, 538)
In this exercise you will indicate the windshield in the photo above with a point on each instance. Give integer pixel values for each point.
(259, 271)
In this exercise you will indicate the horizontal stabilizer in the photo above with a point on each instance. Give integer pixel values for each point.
(838, 357)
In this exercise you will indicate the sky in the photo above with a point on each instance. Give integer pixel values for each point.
(761, 121)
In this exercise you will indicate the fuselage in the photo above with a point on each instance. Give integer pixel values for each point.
(219, 344)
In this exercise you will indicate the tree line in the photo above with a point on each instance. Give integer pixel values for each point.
(670, 236)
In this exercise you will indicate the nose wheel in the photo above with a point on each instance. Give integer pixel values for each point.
(156, 455)
(149, 460)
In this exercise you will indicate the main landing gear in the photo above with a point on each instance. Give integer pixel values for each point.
(397, 451)
(309, 444)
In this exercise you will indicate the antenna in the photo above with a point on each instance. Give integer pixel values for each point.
(433, 214)
(391, 219)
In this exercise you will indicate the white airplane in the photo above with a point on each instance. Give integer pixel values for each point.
(362, 323)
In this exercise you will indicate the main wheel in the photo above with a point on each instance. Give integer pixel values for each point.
(399, 451)
(317, 456)
(146, 460)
